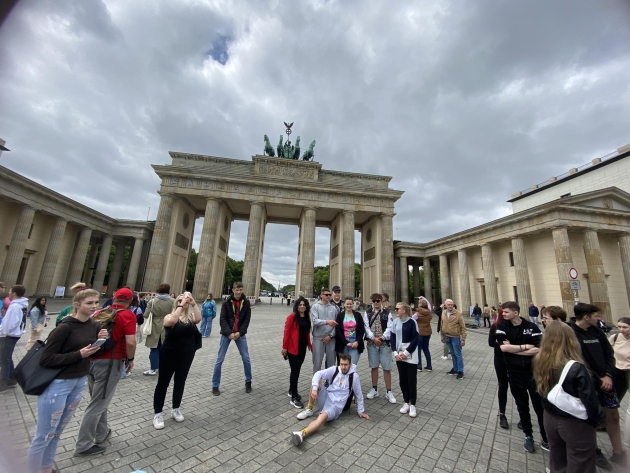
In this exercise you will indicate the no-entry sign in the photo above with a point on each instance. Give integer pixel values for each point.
(573, 274)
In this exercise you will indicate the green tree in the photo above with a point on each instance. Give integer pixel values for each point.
(192, 267)
(288, 288)
(320, 278)
(266, 286)
(357, 279)
(233, 273)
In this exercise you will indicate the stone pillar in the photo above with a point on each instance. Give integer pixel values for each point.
(114, 274)
(624, 249)
(252, 250)
(416, 280)
(428, 292)
(134, 263)
(307, 250)
(347, 256)
(387, 255)
(464, 282)
(597, 275)
(521, 274)
(564, 262)
(49, 266)
(207, 244)
(77, 262)
(91, 262)
(434, 286)
(445, 278)
(15, 254)
(157, 253)
(103, 260)
(489, 278)
(404, 279)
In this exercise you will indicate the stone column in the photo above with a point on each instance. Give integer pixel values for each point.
(445, 278)
(103, 260)
(252, 250)
(77, 262)
(564, 262)
(416, 280)
(49, 266)
(464, 282)
(307, 267)
(134, 263)
(521, 274)
(597, 275)
(428, 292)
(157, 253)
(624, 249)
(205, 258)
(114, 274)
(347, 256)
(387, 255)
(15, 254)
(489, 278)
(91, 262)
(434, 285)
(404, 279)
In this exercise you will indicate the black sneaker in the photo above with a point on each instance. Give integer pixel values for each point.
(452, 373)
(248, 387)
(544, 445)
(215, 391)
(529, 444)
(419, 368)
(601, 461)
(93, 450)
(289, 393)
(503, 423)
(460, 375)
(428, 368)
(297, 402)
(520, 425)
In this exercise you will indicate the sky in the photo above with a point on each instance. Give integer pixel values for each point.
(462, 103)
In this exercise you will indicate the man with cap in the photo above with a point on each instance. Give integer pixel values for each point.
(104, 375)
(336, 299)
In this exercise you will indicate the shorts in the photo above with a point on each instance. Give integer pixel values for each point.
(326, 405)
(380, 355)
(620, 382)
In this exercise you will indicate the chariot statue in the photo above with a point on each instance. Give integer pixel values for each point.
(288, 150)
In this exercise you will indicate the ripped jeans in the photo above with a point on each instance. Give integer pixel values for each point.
(55, 407)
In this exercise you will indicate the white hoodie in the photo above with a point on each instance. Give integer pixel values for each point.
(14, 321)
(339, 390)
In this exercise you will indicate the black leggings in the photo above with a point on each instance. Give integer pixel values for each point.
(295, 362)
(502, 378)
(408, 375)
(172, 362)
(523, 388)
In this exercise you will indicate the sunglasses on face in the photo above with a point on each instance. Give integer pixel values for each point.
(377, 301)
(327, 295)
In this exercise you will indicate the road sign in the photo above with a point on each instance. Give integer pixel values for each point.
(575, 285)
(573, 274)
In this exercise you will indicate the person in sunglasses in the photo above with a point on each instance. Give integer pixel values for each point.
(378, 325)
(323, 315)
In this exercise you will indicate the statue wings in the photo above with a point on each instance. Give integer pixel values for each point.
(288, 125)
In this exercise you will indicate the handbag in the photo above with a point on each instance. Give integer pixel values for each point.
(198, 343)
(33, 378)
(563, 400)
(148, 325)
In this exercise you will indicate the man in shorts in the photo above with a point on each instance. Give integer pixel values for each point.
(378, 323)
(332, 401)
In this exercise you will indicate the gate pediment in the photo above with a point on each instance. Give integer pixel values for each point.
(280, 168)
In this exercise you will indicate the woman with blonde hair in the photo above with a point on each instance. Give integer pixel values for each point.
(570, 430)
(158, 308)
(404, 341)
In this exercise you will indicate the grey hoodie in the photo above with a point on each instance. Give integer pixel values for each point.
(320, 313)
(14, 321)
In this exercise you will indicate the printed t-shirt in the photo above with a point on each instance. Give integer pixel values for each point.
(350, 327)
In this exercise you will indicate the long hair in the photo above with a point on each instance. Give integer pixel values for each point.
(307, 312)
(81, 291)
(558, 346)
(38, 304)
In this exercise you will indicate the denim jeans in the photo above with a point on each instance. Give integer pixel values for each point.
(455, 345)
(55, 407)
(423, 347)
(7, 345)
(477, 320)
(206, 326)
(154, 356)
(241, 344)
(354, 354)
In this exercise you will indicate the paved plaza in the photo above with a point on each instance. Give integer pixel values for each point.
(456, 429)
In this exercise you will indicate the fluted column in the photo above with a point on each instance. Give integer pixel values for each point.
(597, 275)
(75, 270)
(205, 258)
(489, 277)
(564, 262)
(415, 269)
(387, 254)
(114, 274)
(347, 256)
(464, 281)
(47, 273)
(428, 292)
(404, 278)
(521, 274)
(103, 260)
(134, 263)
(307, 267)
(15, 254)
(157, 252)
(91, 263)
(252, 249)
(445, 278)
(624, 250)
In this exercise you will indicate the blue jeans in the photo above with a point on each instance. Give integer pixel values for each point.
(455, 345)
(241, 344)
(423, 347)
(7, 345)
(154, 356)
(206, 326)
(55, 407)
(354, 354)
(478, 319)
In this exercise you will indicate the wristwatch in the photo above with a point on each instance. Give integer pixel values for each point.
(130, 359)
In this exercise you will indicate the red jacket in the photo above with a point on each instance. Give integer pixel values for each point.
(292, 336)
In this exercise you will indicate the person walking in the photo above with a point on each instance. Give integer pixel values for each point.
(11, 330)
(37, 315)
(176, 357)
(438, 311)
(495, 314)
(476, 312)
(621, 346)
(349, 337)
(69, 346)
(486, 316)
(423, 320)
(404, 341)
(378, 322)
(501, 373)
(295, 341)
(135, 309)
(208, 313)
(158, 308)
(454, 335)
(323, 316)
(571, 430)
(533, 313)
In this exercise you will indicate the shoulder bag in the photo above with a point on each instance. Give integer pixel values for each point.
(33, 378)
(563, 400)
(148, 325)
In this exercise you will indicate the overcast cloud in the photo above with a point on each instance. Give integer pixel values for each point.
(463, 103)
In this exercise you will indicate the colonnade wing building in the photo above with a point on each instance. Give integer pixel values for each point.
(580, 220)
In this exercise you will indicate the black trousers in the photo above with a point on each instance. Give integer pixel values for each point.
(572, 444)
(484, 321)
(295, 362)
(408, 375)
(523, 388)
(502, 378)
(172, 362)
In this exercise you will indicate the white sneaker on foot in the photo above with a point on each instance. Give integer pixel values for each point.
(372, 394)
(444, 357)
(158, 421)
(412, 411)
(150, 373)
(175, 414)
(404, 409)
(390, 397)
(297, 438)
(305, 413)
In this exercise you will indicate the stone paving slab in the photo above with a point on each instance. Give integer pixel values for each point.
(456, 428)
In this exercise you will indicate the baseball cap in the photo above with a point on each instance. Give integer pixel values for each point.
(123, 294)
(336, 288)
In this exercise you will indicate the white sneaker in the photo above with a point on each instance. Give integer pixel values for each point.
(412, 411)
(404, 409)
(158, 421)
(150, 373)
(297, 437)
(372, 394)
(444, 357)
(175, 414)
(390, 397)
(305, 413)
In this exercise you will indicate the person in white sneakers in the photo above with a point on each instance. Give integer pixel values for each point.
(378, 324)
(332, 401)
(404, 341)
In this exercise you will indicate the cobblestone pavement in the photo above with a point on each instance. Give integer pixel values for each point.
(456, 428)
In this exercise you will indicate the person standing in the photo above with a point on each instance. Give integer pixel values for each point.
(378, 322)
(349, 337)
(235, 316)
(423, 320)
(208, 313)
(533, 313)
(438, 311)
(495, 314)
(37, 315)
(159, 307)
(336, 299)
(454, 335)
(621, 346)
(12, 328)
(289, 299)
(404, 341)
(551, 313)
(323, 316)
(501, 372)
(295, 341)
(486, 316)
(2, 289)
(476, 312)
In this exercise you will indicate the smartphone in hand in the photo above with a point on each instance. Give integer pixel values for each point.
(99, 342)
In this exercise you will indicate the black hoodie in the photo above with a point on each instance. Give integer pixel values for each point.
(597, 351)
(526, 333)
(227, 316)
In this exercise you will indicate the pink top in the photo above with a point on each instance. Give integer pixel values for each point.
(5, 305)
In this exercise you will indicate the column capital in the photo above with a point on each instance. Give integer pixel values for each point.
(212, 198)
(346, 211)
(166, 194)
(311, 207)
(257, 202)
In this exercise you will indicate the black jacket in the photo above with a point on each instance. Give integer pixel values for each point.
(384, 320)
(492, 341)
(578, 384)
(340, 339)
(477, 311)
(438, 311)
(227, 316)
(525, 333)
(597, 351)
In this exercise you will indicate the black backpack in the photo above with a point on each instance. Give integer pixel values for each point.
(350, 380)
